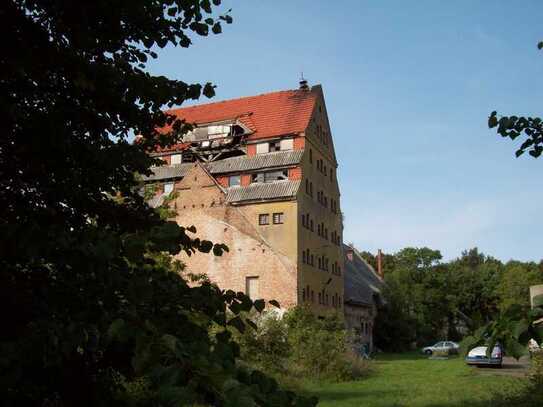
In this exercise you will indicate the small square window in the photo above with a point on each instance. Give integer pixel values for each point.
(168, 187)
(275, 146)
(262, 148)
(234, 180)
(175, 159)
(278, 218)
(264, 219)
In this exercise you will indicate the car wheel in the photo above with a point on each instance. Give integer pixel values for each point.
(428, 352)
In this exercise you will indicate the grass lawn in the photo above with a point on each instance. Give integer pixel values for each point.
(412, 380)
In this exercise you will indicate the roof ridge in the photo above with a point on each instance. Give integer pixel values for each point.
(232, 99)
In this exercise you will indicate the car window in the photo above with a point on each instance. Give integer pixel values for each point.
(439, 344)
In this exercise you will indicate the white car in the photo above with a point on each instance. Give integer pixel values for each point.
(477, 356)
(449, 346)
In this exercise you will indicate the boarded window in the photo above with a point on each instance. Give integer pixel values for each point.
(287, 144)
(252, 288)
(278, 218)
(264, 219)
(262, 148)
(234, 180)
(168, 187)
(175, 159)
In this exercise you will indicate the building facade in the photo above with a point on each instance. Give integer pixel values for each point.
(259, 174)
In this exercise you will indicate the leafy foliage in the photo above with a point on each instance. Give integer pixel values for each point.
(515, 126)
(427, 300)
(94, 310)
(300, 345)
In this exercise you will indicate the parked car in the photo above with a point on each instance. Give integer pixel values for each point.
(449, 346)
(477, 356)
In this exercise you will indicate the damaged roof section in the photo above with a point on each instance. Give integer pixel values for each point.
(234, 164)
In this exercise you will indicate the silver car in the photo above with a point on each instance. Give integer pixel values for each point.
(449, 346)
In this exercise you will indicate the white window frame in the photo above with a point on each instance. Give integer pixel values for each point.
(262, 148)
(168, 187)
(176, 159)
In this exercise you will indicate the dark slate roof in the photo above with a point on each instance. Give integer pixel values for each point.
(362, 283)
(168, 171)
(269, 160)
(234, 164)
(264, 191)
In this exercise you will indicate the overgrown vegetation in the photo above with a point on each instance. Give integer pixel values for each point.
(301, 345)
(429, 300)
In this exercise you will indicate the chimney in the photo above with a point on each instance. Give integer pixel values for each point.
(380, 263)
(303, 83)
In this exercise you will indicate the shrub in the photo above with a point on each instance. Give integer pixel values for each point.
(536, 373)
(301, 345)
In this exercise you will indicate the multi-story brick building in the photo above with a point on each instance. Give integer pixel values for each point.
(259, 174)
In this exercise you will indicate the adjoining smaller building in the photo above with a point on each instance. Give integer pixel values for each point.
(363, 286)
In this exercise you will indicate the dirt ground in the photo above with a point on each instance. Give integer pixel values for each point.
(510, 367)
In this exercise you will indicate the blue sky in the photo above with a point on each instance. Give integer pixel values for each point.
(408, 87)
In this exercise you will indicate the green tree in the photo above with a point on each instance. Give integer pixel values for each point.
(514, 126)
(514, 286)
(94, 312)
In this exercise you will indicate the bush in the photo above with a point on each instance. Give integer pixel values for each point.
(301, 345)
(536, 373)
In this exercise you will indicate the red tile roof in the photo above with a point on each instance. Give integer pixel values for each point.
(268, 115)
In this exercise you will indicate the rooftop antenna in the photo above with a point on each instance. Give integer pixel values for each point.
(303, 82)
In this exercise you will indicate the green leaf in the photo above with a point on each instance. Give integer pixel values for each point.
(237, 323)
(217, 29)
(259, 305)
(274, 303)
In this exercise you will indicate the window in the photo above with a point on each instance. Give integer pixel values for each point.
(311, 225)
(303, 219)
(175, 159)
(303, 294)
(303, 257)
(264, 219)
(262, 148)
(320, 298)
(287, 144)
(310, 156)
(275, 146)
(234, 180)
(168, 187)
(252, 287)
(312, 296)
(270, 176)
(278, 218)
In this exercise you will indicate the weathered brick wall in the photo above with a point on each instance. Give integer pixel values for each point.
(299, 143)
(295, 173)
(201, 203)
(251, 149)
(355, 317)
